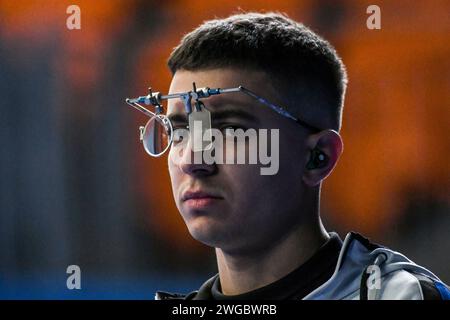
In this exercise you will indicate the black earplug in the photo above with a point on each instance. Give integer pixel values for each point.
(318, 159)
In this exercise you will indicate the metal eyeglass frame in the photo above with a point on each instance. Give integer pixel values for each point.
(155, 99)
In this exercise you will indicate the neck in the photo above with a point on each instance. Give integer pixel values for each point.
(243, 273)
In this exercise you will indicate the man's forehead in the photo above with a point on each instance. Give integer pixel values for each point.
(183, 80)
(225, 101)
(216, 78)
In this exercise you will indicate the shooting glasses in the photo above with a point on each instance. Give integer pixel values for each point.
(158, 134)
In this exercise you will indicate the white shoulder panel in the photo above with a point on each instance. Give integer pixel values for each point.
(400, 285)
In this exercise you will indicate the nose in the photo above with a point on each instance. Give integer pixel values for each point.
(192, 162)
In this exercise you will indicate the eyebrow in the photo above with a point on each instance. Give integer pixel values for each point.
(233, 113)
(177, 117)
(217, 116)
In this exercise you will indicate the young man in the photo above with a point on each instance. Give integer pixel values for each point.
(269, 240)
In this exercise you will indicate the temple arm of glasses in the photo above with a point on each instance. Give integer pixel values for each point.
(278, 109)
(138, 107)
(155, 99)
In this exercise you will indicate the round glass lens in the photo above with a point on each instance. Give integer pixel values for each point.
(157, 135)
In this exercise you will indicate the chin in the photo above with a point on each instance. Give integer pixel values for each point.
(206, 231)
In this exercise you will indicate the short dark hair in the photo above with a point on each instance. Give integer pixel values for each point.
(304, 66)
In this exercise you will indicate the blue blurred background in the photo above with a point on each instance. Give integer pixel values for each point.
(76, 187)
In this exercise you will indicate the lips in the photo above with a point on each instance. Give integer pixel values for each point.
(194, 195)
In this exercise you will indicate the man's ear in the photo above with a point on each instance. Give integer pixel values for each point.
(324, 148)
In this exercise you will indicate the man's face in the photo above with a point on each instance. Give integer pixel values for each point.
(237, 208)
